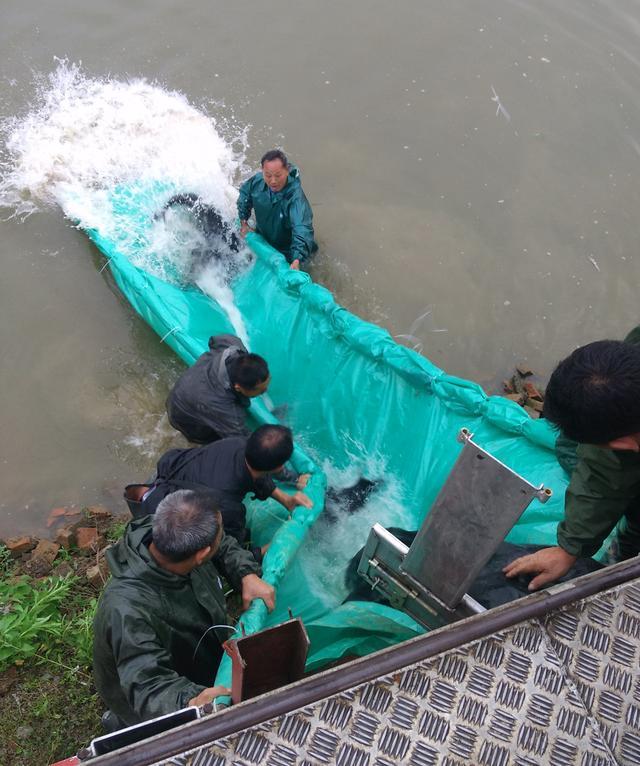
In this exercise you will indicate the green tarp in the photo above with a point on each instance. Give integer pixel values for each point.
(353, 397)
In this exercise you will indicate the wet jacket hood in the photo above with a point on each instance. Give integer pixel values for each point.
(294, 175)
(203, 405)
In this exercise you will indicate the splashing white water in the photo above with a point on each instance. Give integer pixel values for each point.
(87, 139)
(331, 544)
(85, 136)
(212, 281)
(178, 247)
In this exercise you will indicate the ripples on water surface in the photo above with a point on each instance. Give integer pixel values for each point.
(474, 164)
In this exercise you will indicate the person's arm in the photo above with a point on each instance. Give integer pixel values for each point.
(235, 562)
(603, 486)
(287, 476)
(208, 695)
(291, 502)
(265, 488)
(243, 572)
(149, 682)
(301, 221)
(254, 587)
(245, 206)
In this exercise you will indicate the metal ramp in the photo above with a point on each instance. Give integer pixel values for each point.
(551, 679)
(429, 580)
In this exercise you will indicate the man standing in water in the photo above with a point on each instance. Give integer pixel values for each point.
(592, 397)
(283, 213)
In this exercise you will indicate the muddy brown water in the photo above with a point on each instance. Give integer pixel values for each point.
(515, 228)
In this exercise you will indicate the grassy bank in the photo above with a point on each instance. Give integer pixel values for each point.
(49, 707)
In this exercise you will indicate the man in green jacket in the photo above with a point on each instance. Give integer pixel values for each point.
(283, 213)
(162, 618)
(593, 396)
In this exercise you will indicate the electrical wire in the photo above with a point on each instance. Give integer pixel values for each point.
(232, 628)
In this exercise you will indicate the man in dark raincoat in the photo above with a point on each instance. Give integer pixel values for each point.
(593, 396)
(160, 622)
(232, 468)
(210, 400)
(283, 213)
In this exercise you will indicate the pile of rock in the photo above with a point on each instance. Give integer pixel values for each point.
(82, 533)
(518, 388)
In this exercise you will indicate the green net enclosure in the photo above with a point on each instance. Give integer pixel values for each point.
(113, 154)
(359, 404)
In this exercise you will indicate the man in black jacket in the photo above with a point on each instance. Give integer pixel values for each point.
(210, 400)
(232, 468)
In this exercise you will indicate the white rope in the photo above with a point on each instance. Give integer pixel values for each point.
(167, 334)
(275, 515)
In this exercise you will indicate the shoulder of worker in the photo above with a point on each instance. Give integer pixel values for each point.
(617, 469)
(222, 342)
(566, 453)
(231, 448)
(230, 443)
(633, 336)
(293, 193)
(294, 182)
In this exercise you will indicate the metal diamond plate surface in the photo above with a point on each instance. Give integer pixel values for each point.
(564, 691)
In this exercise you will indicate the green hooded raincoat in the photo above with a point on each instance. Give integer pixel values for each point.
(153, 650)
(604, 490)
(283, 218)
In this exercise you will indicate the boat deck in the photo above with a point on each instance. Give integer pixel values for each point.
(561, 687)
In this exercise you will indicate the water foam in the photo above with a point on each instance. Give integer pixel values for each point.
(86, 135)
(213, 282)
(331, 544)
(84, 139)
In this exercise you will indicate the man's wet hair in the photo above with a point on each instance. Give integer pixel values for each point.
(247, 370)
(185, 522)
(269, 447)
(274, 154)
(593, 394)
